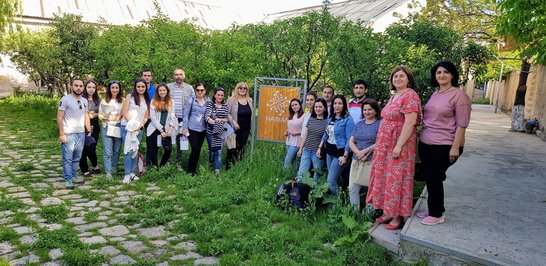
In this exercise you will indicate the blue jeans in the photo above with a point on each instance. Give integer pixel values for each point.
(308, 158)
(71, 153)
(111, 149)
(215, 154)
(129, 163)
(334, 171)
(291, 152)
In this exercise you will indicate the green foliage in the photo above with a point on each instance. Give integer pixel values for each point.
(523, 21)
(317, 47)
(481, 101)
(8, 10)
(60, 238)
(81, 257)
(10, 204)
(54, 214)
(88, 194)
(166, 172)
(91, 217)
(151, 211)
(7, 234)
(23, 167)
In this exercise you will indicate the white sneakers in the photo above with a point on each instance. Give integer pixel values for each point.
(130, 178)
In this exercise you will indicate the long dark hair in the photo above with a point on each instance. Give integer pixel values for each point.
(323, 102)
(345, 110)
(119, 97)
(135, 95)
(95, 95)
(450, 67)
(291, 111)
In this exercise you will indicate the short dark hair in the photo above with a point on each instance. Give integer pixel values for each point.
(312, 93)
(145, 70)
(411, 79)
(450, 67)
(217, 89)
(360, 82)
(323, 102)
(374, 104)
(328, 86)
(74, 79)
(345, 110)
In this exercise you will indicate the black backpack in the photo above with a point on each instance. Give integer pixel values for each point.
(297, 193)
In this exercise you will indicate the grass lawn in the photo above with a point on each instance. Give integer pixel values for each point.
(232, 216)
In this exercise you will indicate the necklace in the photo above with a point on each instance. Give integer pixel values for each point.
(440, 91)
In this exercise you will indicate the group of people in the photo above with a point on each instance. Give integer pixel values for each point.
(384, 143)
(171, 115)
(363, 146)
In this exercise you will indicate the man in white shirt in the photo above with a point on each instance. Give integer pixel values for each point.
(180, 92)
(73, 121)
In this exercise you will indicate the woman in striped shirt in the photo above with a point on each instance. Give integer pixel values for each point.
(216, 115)
(310, 142)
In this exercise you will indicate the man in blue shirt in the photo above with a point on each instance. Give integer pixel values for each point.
(146, 75)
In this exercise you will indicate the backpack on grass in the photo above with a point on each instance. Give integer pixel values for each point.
(296, 193)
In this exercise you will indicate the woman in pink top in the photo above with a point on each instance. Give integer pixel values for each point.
(293, 134)
(446, 116)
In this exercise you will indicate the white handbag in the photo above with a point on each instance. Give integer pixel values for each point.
(113, 131)
(184, 143)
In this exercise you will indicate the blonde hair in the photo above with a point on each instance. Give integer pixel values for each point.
(235, 92)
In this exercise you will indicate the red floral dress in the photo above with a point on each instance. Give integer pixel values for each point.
(391, 180)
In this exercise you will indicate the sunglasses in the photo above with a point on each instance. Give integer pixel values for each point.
(81, 107)
(113, 82)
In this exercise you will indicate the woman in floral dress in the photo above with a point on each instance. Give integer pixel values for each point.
(391, 178)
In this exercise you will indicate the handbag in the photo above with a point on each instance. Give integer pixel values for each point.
(89, 141)
(360, 172)
(113, 131)
(184, 143)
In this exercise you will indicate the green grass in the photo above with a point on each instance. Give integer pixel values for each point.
(23, 167)
(91, 217)
(481, 101)
(232, 216)
(10, 204)
(7, 234)
(54, 214)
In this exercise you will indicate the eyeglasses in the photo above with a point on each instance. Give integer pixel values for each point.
(243, 88)
(81, 107)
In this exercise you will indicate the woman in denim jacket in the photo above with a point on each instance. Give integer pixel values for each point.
(336, 140)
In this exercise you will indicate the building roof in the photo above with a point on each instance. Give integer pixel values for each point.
(366, 11)
(121, 12)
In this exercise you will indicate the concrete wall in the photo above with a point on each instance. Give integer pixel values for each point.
(535, 98)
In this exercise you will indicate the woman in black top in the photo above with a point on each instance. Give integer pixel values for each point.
(241, 110)
(90, 93)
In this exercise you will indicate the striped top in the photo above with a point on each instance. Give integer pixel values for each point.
(212, 112)
(315, 130)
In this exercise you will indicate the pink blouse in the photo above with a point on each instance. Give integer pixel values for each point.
(294, 125)
(443, 114)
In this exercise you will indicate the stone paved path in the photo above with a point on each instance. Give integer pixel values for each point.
(34, 205)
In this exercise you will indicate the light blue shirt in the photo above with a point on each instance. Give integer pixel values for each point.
(342, 132)
(194, 115)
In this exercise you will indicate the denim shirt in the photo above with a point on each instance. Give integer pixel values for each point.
(196, 120)
(342, 132)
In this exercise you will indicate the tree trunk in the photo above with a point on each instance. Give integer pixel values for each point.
(525, 67)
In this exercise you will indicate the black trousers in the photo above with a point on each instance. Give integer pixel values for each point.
(178, 151)
(196, 140)
(434, 164)
(148, 144)
(91, 151)
(153, 149)
(237, 154)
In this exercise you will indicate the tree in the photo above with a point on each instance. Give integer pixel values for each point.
(474, 19)
(524, 22)
(8, 10)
